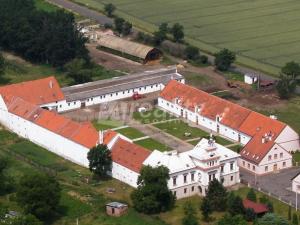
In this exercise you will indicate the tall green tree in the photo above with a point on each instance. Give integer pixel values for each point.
(291, 69)
(295, 219)
(119, 23)
(127, 27)
(235, 205)
(232, 220)
(271, 219)
(251, 195)
(39, 195)
(79, 70)
(206, 209)
(191, 53)
(286, 86)
(39, 36)
(217, 195)
(224, 59)
(189, 215)
(178, 32)
(153, 195)
(100, 161)
(109, 9)
(5, 181)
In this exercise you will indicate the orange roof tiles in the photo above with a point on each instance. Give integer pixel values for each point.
(232, 115)
(82, 133)
(210, 106)
(129, 154)
(38, 92)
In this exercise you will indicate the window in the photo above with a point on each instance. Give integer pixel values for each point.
(284, 164)
(193, 188)
(192, 176)
(185, 191)
(174, 181)
(248, 165)
(244, 163)
(270, 157)
(92, 99)
(253, 168)
(281, 155)
(117, 94)
(222, 168)
(231, 178)
(231, 166)
(222, 180)
(275, 156)
(266, 168)
(184, 178)
(175, 193)
(69, 104)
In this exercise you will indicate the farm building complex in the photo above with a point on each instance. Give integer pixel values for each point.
(30, 109)
(267, 142)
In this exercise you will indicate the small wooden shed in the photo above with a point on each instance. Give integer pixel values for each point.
(116, 209)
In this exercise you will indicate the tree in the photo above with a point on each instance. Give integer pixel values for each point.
(250, 214)
(235, 205)
(251, 195)
(2, 65)
(206, 208)
(109, 9)
(295, 219)
(100, 161)
(79, 71)
(153, 195)
(38, 36)
(164, 27)
(290, 213)
(271, 219)
(126, 30)
(189, 215)
(232, 220)
(25, 220)
(224, 59)
(177, 32)
(217, 195)
(39, 195)
(5, 180)
(286, 86)
(119, 22)
(191, 53)
(159, 37)
(291, 69)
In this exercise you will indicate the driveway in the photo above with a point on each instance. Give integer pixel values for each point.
(277, 184)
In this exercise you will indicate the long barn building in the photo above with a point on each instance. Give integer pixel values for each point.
(267, 143)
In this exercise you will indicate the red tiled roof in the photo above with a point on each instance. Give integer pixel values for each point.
(82, 133)
(257, 126)
(232, 115)
(129, 154)
(38, 92)
(211, 106)
(257, 207)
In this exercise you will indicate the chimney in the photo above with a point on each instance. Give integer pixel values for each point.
(101, 137)
(51, 84)
(263, 140)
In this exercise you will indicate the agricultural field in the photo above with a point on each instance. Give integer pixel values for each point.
(265, 34)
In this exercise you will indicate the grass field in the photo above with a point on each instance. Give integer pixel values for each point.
(131, 133)
(106, 124)
(152, 116)
(265, 34)
(152, 144)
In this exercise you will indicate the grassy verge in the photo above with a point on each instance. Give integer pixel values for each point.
(131, 133)
(234, 76)
(152, 144)
(197, 80)
(154, 115)
(106, 124)
(179, 129)
(222, 141)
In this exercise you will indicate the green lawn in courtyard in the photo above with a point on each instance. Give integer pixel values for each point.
(181, 130)
(237, 148)
(151, 116)
(131, 133)
(152, 144)
(106, 124)
(222, 141)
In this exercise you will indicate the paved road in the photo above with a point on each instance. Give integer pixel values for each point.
(277, 184)
(84, 11)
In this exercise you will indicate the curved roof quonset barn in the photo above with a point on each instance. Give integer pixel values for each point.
(144, 52)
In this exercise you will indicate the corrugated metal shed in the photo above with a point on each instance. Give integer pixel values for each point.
(131, 48)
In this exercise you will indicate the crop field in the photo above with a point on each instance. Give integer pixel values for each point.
(265, 34)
